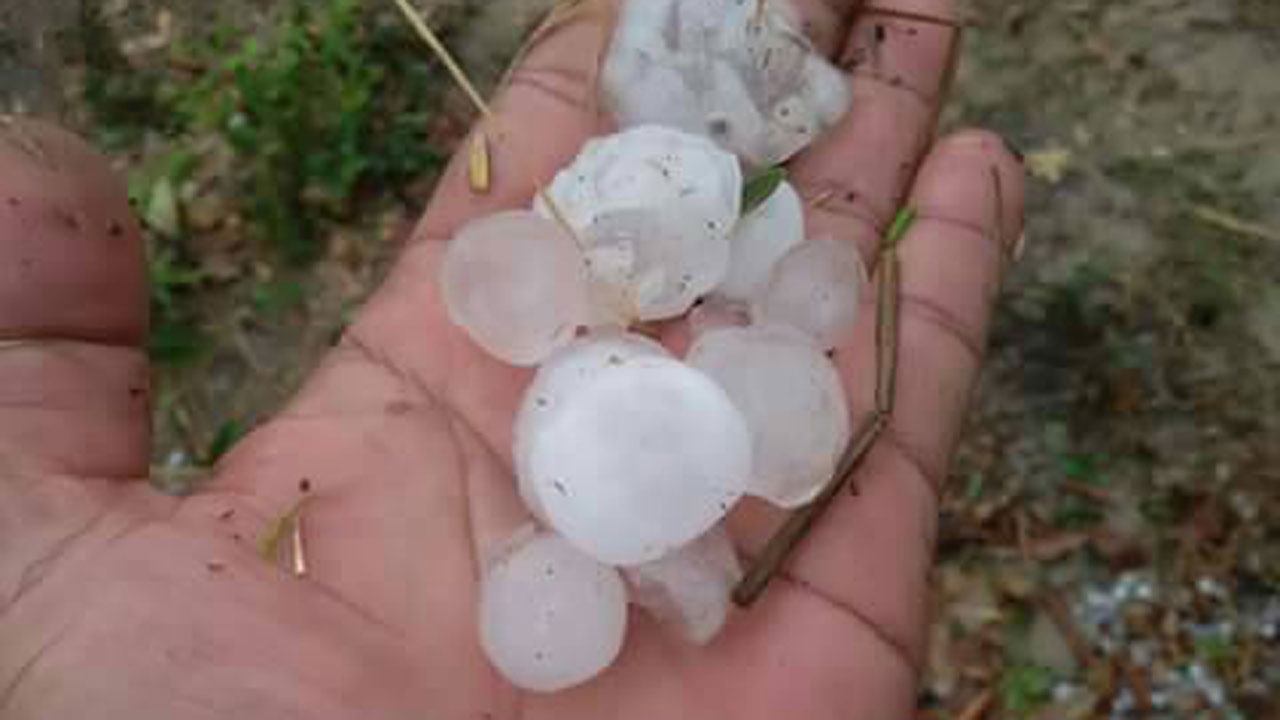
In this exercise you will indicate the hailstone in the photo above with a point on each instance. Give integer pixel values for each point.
(689, 590)
(816, 287)
(763, 236)
(515, 281)
(738, 71)
(653, 209)
(638, 461)
(557, 379)
(793, 400)
(550, 616)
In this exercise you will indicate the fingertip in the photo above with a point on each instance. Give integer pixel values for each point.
(973, 176)
(70, 251)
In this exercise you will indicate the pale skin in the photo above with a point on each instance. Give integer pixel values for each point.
(119, 603)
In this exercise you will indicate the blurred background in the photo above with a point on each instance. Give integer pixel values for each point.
(1110, 541)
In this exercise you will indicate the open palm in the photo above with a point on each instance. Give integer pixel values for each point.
(116, 602)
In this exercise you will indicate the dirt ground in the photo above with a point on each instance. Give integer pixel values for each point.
(1110, 541)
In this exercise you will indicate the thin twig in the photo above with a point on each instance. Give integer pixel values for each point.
(1229, 222)
(460, 77)
(299, 550)
(1090, 492)
(979, 706)
(1006, 250)
(1060, 615)
(797, 526)
(433, 41)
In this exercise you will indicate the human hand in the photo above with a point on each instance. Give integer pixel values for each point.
(116, 602)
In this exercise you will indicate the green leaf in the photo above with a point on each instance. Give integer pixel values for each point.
(761, 187)
(228, 434)
(901, 224)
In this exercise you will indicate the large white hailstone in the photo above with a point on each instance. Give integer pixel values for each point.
(763, 236)
(515, 282)
(690, 589)
(739, 71)
(645, 457)
(654, 209)
(817, 288)
(793, 400)
(568, 370)
(550, 616)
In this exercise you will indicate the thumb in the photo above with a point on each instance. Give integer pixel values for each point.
(73, 317)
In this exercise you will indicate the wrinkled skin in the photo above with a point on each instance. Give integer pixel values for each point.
(116, 602)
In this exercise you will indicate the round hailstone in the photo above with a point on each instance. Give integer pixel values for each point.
(654, 208)
(642, 459)
(690, 589)
(794, 403)
(738, 71)
(762, 238)
(559, 377)
(816, 287)
(550, 616)
(515, 282)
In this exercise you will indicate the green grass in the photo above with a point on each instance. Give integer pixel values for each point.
(330, 102)
(1024, 688)
(325, 110)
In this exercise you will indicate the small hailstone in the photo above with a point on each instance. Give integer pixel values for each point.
(738, 71)
(690, 588)
(794, 403)
(654, 209)
(557, 379)
(763, 236)
(515, 282)
(816, 287)
(645, 457)
(550, 616)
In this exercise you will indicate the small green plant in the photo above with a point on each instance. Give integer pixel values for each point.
(1215, 650)
(331, 101)
(1024, 688)
(153, 191)
(227, 435)
(1074, 511)
(175, 336)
